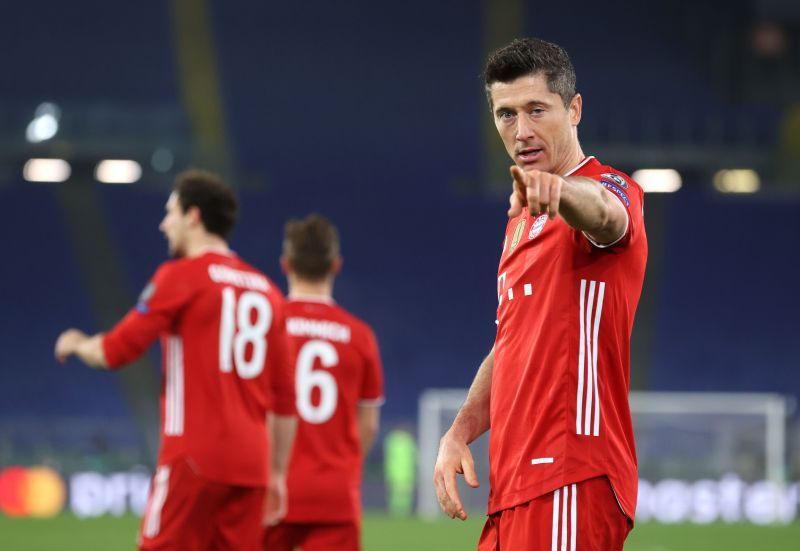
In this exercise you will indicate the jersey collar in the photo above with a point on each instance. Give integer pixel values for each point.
(311, 298)
(217, 250)
(579, 166)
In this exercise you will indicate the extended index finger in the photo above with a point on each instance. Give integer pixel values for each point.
(518, 198)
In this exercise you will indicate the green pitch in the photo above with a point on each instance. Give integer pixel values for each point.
(67, 533)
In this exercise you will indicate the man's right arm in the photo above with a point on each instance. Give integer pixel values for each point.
(454, 455)
(88, 348)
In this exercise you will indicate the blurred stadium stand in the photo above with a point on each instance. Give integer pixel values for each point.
(374, 116)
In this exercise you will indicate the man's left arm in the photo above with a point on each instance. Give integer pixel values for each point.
(583, 203)
(88, 348)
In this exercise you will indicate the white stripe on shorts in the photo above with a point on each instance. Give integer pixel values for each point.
(152, 521)
(565, 519)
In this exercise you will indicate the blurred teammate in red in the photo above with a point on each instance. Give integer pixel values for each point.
(226, 363)
(554, 388)
(339, 387)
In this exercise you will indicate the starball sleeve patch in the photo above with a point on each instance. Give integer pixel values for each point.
(146, 294)
(617, 190)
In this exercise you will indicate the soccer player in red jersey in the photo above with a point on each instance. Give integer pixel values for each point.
(339, 388)
(227, 376)
(554, 388)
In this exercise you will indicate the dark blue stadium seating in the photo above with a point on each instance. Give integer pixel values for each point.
(371, 115)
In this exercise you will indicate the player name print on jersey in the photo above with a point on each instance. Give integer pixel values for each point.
(220, 273)
(328, 330)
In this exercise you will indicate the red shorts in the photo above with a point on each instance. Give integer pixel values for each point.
(578, 517)
(186, 513)
(344, 536)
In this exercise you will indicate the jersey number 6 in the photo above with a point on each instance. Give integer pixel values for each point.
(307, 378)
(252, 331)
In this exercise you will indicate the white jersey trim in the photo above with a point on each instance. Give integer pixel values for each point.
(372, 402)
(587, 418)
(223, 251)
(324, 299)
(174, 396)
(617, 240)
(578, 166)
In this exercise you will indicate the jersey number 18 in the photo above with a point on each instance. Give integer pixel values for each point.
(238, 329)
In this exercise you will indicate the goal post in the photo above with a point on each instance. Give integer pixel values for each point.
(437, 409)
(689, 437)
(773, 408)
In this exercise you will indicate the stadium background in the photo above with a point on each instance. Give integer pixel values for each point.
(374, 115)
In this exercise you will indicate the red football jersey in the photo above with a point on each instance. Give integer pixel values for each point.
(559, 401)
(225, 362)
(338, 368)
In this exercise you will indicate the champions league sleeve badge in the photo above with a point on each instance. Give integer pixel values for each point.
(618, 191)
(616, 178)
(146, 294)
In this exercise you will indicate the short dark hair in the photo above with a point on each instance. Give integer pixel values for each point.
(529, 56)
(311, 245)
(215, 200)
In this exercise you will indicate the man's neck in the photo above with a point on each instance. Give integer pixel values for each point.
(206, 243)
(570, 161)
(317, 289)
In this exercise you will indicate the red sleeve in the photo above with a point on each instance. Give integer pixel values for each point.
(281, 360)
(627, 192)
(159, 304)
(372, 383)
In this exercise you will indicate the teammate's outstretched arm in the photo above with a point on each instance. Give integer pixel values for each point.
(454, 455)
(88, 348)
(583, 203)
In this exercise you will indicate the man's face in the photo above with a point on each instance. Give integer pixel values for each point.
(537, 130)
(174, 226)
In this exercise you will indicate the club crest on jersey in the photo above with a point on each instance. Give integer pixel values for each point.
(538, 226)
(146, 294)
(517, 235)
(617, 179)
